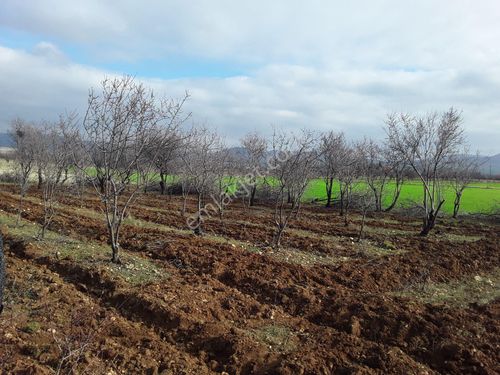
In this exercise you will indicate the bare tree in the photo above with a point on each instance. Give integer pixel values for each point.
(293, 163)
(381, 167)
(349, 174)
(366, 202)
(333, 152)
(164, 155)
(199, 163)
(256, 148)
(224, 163)
(462, 170)
(120, 124)
(427, 144)
(398, 169)
(53, 158)
(25, 137)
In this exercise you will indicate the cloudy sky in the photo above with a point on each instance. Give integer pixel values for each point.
(248, 65)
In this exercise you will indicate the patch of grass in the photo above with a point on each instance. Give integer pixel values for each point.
(388, 231)
(31, 327)
(304, 258)
(480, 289)
(387, 248)
(365, 246)
(130, 220)
(283, 254)
(436, 236)
(460, 237)
(137, 271)
(382, 219)
(276, 337)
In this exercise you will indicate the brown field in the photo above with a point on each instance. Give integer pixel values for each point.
(395, 303)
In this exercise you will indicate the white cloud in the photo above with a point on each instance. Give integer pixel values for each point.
(424, 33)
(50, 52)
(340, 65)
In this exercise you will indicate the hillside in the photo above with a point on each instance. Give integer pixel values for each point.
(491, 165)
(5, 140)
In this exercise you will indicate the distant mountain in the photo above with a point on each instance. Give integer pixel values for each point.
(490, 165)
(5, 140)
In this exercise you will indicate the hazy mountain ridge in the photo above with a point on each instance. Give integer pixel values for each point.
(490, 165)
(5, 140)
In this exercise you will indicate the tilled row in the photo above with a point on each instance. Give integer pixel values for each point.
(189, 312)
(51, 325)
(276, 284)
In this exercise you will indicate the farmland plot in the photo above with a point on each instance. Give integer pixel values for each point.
(228, 302)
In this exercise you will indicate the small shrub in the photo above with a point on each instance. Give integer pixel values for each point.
(8, 177)
(31, 327)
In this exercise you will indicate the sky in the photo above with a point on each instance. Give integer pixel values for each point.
(251, 65)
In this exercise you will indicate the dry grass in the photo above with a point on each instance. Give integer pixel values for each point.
(276, 338)
(480, 289)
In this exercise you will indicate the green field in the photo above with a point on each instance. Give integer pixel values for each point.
(479, 197)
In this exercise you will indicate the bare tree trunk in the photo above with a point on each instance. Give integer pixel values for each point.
(329, 190)
(297, 212)
(378, 201)
(347, 200)
(162, 183)
(115, 245)
(456, 204)
(65, 176)
(430, 220)
(115, 258)
(41, 233)
(184, 200)
(102, 184)
(252, 195)
(20, 209)
(40, 178)
(199, 230)
(278, 235)
(342, 199)
(395, 197)
(362, 228)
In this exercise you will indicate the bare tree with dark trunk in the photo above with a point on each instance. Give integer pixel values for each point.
(199, 163)
(121, 123)
(256, 148)
(428, 145)
(398, 170)
(332, 149)
(164, 156)
(380, 168)
(349, 174)
(366, 202)
(463, 169)
(293, 164)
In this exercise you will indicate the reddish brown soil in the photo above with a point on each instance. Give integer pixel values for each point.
(342, 318)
